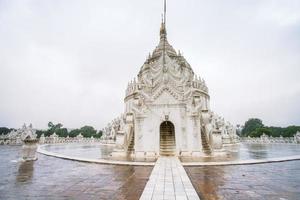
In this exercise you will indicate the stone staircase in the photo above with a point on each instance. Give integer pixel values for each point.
(130, 148)
(167, 141)
(205, 145)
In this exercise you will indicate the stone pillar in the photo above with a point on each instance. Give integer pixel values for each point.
(297, 137)
(42, 139)
(18, 140)
(226, 139)
(217, 143)
(29, 149)
(120, 139)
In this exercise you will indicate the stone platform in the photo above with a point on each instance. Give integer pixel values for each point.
(259, 154)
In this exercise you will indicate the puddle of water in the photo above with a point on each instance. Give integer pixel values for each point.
(244, 152)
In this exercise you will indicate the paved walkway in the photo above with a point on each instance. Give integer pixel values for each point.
(169, 180)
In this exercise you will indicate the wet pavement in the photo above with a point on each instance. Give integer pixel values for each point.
(279, 181)
(244, 152)
(91, 151)
(53, 178)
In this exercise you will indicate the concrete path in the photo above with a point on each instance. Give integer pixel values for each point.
(169, 180)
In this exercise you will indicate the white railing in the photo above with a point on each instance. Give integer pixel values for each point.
(270, 140)
(57, 140)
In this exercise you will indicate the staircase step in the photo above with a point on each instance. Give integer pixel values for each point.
(167, 149)
(172, 151)
(130, 148)
(167, 141)
(167, 145)
(205, 146)
(167, 152)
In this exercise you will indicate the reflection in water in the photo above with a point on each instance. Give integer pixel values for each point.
(206, 181)
(92, 151)
(250, 151)
(231, 153)
(258, 151)
(25, 171)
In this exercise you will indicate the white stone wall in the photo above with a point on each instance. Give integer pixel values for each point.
(187, 129)
(167, 89)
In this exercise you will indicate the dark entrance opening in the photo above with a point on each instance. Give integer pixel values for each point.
(167, 139)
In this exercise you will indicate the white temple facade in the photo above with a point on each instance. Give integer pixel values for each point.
(167, 111)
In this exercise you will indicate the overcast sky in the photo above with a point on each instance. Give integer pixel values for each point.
(69, 61)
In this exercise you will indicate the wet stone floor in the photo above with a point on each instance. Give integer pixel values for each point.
(279, 181)
(54, 178)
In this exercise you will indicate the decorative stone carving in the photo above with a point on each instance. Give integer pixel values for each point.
(264, 138)
(297, 137)
(167, 83)
(217, 142)
(29, 149)
(30, 140)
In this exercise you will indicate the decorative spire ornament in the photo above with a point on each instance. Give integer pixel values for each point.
(163, 35)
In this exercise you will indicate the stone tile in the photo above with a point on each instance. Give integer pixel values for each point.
(53, 178)
(171, 182)
(262, 181)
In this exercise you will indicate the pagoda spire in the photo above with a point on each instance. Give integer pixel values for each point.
(165, 11)
(163, 36)
(163, 30)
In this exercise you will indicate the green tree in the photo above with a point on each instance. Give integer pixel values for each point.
(260, 131)
(251, 125)
(74, 132)
(62, 132)
(4, 130)
(88, 131)
(50, 125)
(255, 128)
(40, 132)
(290, 131)
(277, 131)
(99, 134)
(56, 128)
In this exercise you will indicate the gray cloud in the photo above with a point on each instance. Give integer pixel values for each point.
(70, 61)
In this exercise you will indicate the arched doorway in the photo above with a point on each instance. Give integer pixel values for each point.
(167, 139)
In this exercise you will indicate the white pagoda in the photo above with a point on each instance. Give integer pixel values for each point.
(167, 111)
